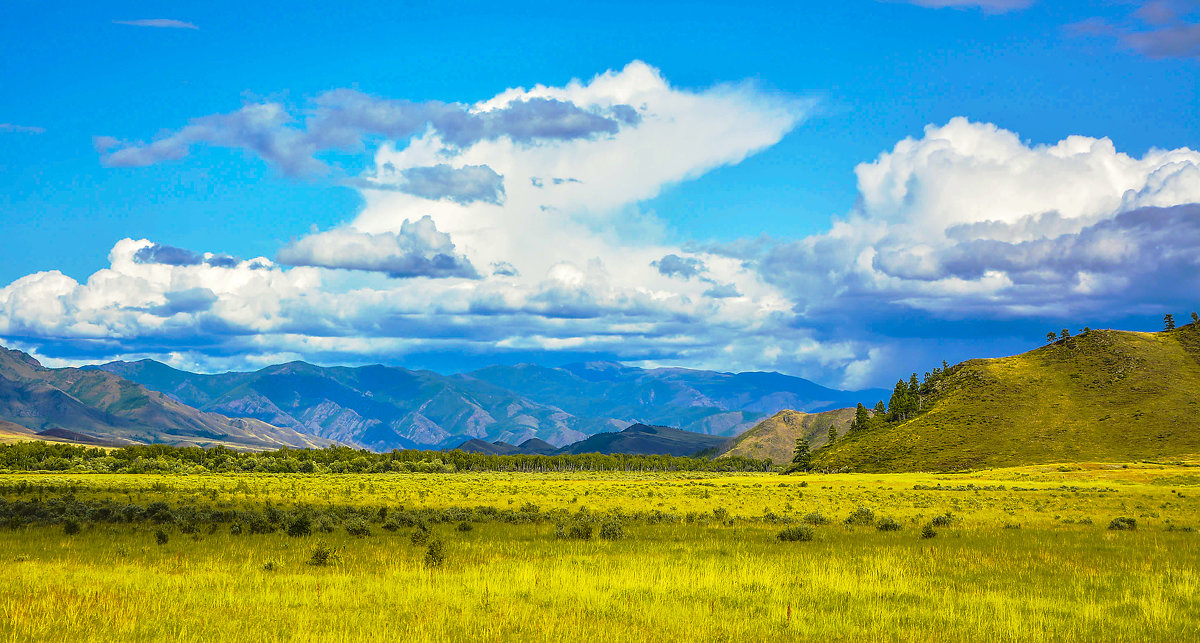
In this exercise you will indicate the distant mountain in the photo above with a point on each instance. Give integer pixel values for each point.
(775, 437)
(644, 439)
(1104, 395)
(700, 401)
(96, 407)
(532, 446)
(382, 407)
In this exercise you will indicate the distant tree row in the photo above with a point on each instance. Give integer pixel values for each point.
(42, 456)
(1168, 324)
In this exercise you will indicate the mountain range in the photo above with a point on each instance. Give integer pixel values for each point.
(96, 407)
(382, 407)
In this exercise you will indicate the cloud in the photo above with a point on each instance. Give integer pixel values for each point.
(21, 129)
(343, 119)
(172, 256)
(417, 250)
(673, 265)
(189, 301)
(1157, 29)
(989, 6)
(460, 185)
(160, 23)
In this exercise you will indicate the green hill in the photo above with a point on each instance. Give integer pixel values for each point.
(775, 437)
(1101, 396)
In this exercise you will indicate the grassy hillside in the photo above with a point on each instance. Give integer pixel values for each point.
(775, 437)
(1101, 396)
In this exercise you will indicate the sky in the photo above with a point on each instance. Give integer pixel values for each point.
(847, 192)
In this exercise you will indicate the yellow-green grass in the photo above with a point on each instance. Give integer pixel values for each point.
(1056, 577)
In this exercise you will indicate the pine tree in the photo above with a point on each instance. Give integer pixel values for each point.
(861, 417)
(1169, 321)
(1195, 318)
(1065, 334)
(880, 409)
(802, 458)
(1051, 338)
(833, 435)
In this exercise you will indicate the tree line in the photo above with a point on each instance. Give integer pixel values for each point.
(158, 458)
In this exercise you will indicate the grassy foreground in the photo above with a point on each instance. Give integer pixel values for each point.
(1025, 554)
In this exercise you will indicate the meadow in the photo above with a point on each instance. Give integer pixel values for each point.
(1008, 554)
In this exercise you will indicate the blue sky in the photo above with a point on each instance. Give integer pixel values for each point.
(854, 79)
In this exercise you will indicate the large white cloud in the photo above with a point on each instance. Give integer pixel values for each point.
(518, 230)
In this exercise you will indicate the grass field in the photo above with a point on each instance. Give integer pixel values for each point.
(1025, 554)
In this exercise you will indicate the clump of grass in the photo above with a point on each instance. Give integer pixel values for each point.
(1011, 525)
(1123, 524)
(887, 524)
(815, 519)
(861, 516)
(161, 537)
(271, 565)
(465, 527)
(796, 533)
(323, 554)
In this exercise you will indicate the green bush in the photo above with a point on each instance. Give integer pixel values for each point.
(815, 519)
(435, 555)
(612, 530)
(580, 531)
(1123, 524)
(419, 536)
(797, 533)
(358, 528)
(301, 526)
(71, 527)
(887, 524)
(322, 554)
(928, 531)
(465, 527)
(861, 516)
(161, 537)
(943, 520)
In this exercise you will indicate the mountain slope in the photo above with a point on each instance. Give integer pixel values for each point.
(1101, 396)
(775, 437)
(646, 440)
(109, 409)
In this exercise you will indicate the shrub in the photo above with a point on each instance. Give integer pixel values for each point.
(419, 536)
(928, 531)
(435, 555)
(71, 527)
(1123, 524)
(612, 530)
(358, 528)
(815, 519)
(943, 520)
(322, 554)
(1011, 525)
(798, 533)
(235, 529)
(861, 516)
(580, 531)
(161, 537)
(301, 526)
(271, 565)
(887, 524)
(465, 527)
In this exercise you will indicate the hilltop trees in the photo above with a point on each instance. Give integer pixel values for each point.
(1051, 337)
(1195, 318)
(861, 418)
(1169, 321)
(906, 400)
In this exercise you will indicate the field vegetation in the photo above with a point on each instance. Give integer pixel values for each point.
(1065, 552)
